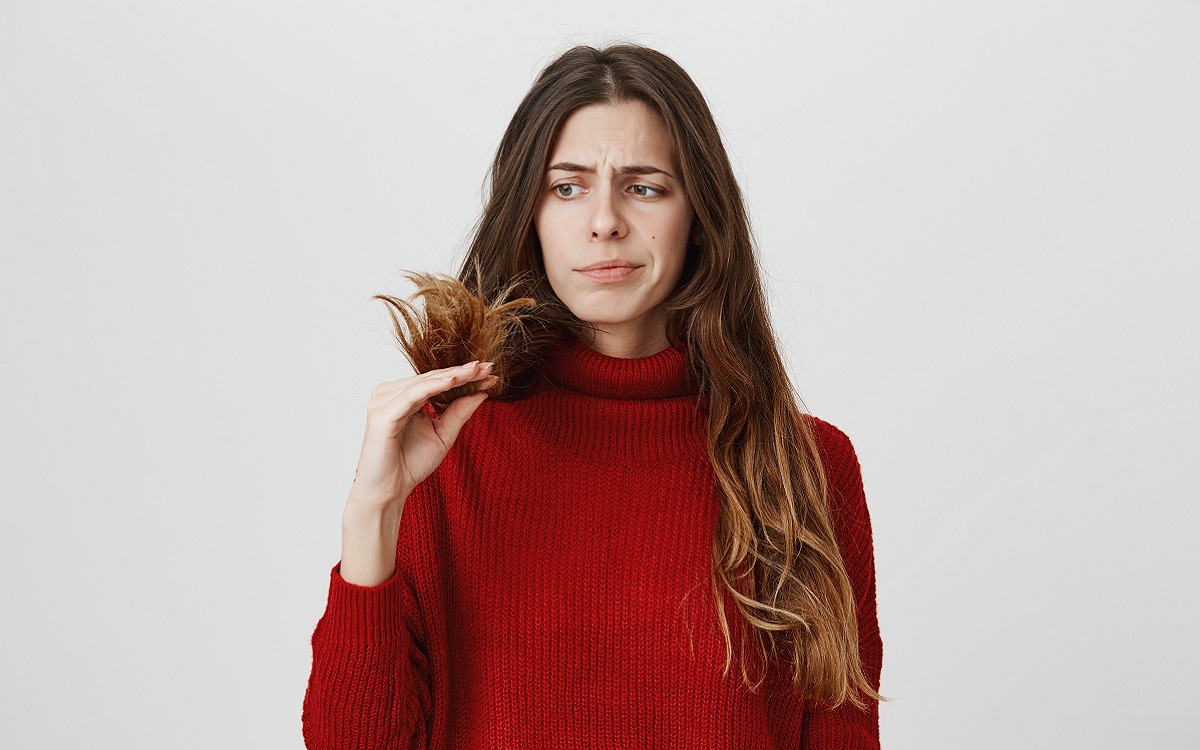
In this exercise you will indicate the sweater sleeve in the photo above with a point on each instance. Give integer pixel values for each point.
(373, 679)
(847, 727)
(370, 685)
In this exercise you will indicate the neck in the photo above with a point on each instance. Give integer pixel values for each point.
(630, 341)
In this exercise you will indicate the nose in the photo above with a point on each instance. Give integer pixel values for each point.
(606, 220)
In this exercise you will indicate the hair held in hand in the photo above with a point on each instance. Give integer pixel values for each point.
(446, 324)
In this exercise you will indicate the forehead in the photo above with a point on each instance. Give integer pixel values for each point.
(624, 130)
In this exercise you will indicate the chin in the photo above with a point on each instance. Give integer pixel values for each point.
(601, 315)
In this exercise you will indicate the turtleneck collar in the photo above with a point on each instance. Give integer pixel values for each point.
(612, 413)
(575, 366)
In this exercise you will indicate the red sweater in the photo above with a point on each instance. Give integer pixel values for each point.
(539, 597)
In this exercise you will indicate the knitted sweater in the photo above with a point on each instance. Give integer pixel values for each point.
(552, 587)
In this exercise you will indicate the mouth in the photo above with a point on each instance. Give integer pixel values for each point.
(608, 264)
(606, 274)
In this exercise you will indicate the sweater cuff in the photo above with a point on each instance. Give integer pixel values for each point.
(365, 615)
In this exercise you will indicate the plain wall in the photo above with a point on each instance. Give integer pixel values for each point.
(979, 225)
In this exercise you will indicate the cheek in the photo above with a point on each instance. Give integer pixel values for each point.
(554, 263)
(672, 240)
(549, 226)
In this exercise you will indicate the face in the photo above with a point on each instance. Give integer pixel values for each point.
(613, 221)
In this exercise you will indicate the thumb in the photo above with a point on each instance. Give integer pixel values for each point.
(456, 415)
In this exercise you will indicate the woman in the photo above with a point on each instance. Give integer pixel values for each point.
(574, 565)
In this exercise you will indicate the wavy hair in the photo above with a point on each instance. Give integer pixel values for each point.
(774, 548)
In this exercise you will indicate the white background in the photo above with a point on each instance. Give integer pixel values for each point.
(980, 224)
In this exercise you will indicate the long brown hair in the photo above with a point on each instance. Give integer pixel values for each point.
(774, 549)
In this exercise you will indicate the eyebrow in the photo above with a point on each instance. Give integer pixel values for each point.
(570, 166)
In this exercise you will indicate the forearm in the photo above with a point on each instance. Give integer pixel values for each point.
(369, 535)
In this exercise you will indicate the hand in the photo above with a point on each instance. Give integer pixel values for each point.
(403, 445)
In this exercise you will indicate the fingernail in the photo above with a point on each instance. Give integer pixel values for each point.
(472, 363)
(488, 365)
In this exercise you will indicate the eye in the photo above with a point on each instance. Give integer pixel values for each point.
(558, 189)
(645, 191)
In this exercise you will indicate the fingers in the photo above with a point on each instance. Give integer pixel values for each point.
(456, 415)
(410, 397)
(472, 371)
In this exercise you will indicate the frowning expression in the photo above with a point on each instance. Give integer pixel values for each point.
(612, 217)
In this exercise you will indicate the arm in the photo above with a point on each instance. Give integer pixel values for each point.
(847, 727)
(370, 680)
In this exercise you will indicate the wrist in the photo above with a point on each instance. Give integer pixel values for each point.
(363, 504)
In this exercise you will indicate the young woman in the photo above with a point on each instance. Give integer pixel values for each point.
(580, 561)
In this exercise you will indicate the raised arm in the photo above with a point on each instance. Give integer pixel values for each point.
(370, 682)
(402, 446)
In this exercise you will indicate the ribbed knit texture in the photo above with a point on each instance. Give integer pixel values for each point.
(552, 587)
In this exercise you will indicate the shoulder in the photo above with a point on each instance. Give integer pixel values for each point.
(837, 452)
(847, 496)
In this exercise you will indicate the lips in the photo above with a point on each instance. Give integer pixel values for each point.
(608, 264)
(607, 271)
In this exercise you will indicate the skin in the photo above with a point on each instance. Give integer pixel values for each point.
(592, 209)
(401, 447)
